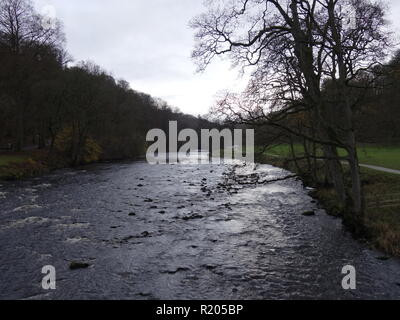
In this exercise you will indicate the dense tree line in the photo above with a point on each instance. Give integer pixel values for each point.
(78, 113)
(378, 114)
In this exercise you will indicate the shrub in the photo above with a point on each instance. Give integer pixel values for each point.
(70, 149)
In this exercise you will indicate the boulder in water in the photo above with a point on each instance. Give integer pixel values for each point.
(74, 265)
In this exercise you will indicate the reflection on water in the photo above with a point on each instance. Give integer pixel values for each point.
(194, 157)
(179, 231)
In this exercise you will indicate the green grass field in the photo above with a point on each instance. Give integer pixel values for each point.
(387, 157)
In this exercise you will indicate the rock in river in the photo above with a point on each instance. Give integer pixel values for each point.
(74, 265)
(309, 213)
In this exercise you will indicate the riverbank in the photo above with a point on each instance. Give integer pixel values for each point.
(382, 194)
(24, 164)
(32, 163)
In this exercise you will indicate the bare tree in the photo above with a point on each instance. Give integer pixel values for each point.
(296, 48)
(21, 26)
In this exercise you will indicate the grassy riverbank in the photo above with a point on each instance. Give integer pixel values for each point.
(383, 156)
(25, 164)
(17, 165)
(382, 193)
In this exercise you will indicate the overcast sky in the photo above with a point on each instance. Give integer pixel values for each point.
(148, 43)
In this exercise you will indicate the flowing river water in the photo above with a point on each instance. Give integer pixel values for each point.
(184, 231)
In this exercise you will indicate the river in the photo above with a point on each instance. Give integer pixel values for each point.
(179, 232)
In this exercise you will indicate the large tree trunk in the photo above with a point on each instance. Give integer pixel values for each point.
(355, 218)
(357, 205)
(335, 174)
(357, 194)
